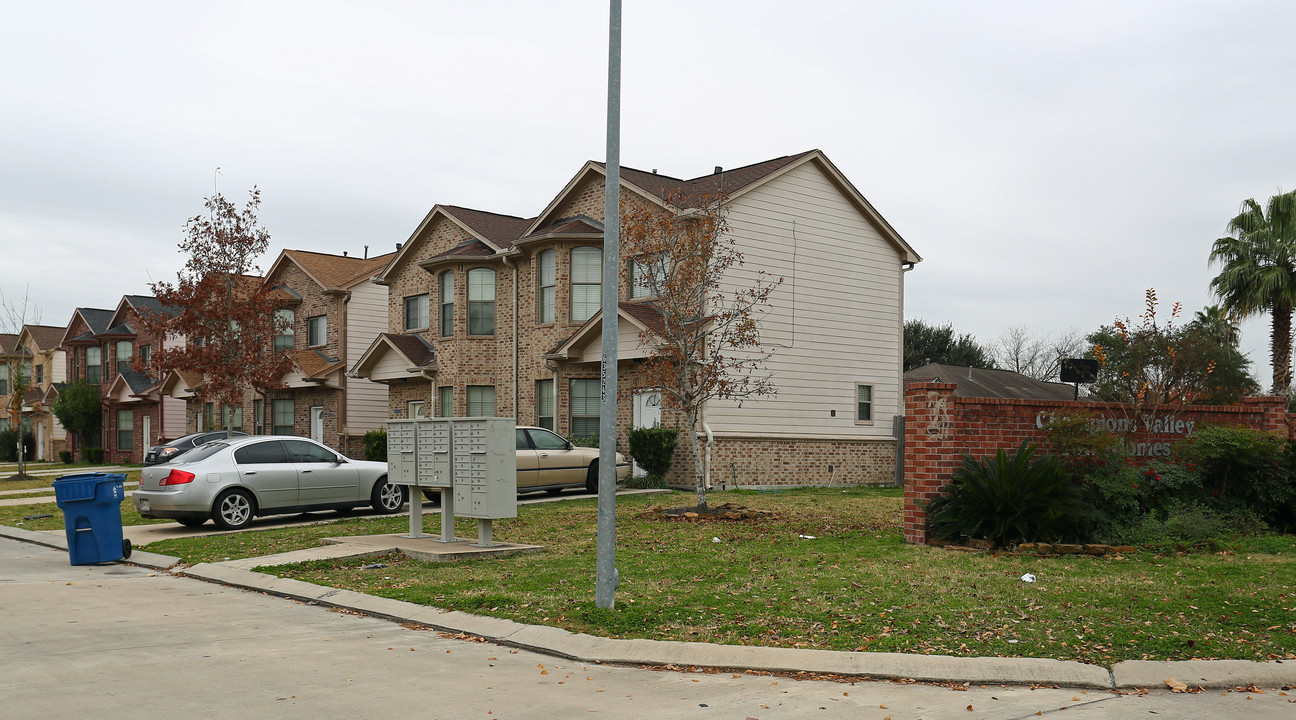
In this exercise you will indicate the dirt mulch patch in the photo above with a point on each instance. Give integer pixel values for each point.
(728, 512)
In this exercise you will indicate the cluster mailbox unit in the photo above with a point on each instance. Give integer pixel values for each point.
(472, 461)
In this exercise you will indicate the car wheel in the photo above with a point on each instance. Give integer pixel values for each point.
(387, 498)
(592, 478)
(432, 496)
(191, 522)
(234, 510)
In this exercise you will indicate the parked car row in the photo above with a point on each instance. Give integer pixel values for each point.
(231, 480)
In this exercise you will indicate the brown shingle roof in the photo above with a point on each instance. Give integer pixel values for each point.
(499, 229)
(46, 336)
(314, 364)
(338, 270)
(8, 343)
(984, 383)
(413, 347)
(579, 225)
(710, 186)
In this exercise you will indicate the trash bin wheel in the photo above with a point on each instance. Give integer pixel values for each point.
(126, 549)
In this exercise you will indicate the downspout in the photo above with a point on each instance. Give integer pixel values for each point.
(710, 440)
(517, 412)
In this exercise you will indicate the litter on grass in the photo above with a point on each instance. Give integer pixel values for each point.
(806, 537)
(1028, 577)
(715, 539)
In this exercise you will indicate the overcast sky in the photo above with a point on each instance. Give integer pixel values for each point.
(1049, 161)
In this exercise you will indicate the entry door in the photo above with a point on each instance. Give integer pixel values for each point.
(148, 433)
(40, 440)
(647, 413)
(317, 424)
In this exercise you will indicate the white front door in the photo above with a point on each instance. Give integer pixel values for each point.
(317, 424)
(148, 434)
(40, 440)
(647, 413)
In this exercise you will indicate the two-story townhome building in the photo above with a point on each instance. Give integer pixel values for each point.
(13, 365)
(84, 356)
(48, 370)
(136, 414)
(331, 313)
(498, 315)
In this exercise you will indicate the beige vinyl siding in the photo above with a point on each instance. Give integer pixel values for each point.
(174, 422)
(628, 345)
(366, 317)
(835, 320)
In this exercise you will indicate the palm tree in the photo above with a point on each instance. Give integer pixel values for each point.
(1258, 273)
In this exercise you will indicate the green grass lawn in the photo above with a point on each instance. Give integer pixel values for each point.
(17, 515)
(855, 586)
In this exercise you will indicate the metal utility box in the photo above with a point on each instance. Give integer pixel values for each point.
(485, 467)
(419, 452)
(473, 460)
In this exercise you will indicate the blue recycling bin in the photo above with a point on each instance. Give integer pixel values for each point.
(91, 505)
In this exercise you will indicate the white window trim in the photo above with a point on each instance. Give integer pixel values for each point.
(872, 403)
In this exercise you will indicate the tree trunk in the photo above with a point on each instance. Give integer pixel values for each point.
(1281, 351)
(699, 471)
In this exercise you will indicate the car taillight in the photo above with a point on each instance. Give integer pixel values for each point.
(177, 477)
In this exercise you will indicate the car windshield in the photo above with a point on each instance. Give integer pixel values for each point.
(201, 453)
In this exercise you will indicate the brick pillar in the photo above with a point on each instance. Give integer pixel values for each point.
(930, 454)
(1272, 411)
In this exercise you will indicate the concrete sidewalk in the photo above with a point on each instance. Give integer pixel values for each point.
(1127, 675)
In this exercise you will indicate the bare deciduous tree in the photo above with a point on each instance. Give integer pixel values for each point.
(1019, 350)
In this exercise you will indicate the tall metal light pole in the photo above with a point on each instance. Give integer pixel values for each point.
(607, 578)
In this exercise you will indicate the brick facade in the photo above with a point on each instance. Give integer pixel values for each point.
(940, 428)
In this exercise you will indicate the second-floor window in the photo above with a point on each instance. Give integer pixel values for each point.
(40, 375)
(4, 379)
(481, 301)
(446, 285)
(124, 349)
(416, 312)
(586, 282)
(284, 337)
(94, 365)
(146, 354)
(647, 277)
(547, 285)
(317, 330)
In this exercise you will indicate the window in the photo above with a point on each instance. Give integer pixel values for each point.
(232, 418)
(415, 409)
(317, 330)
(648, 276)
(481, 401)
(124, 349)
(481, 301)
(285, 335)
(146, 354)
(584, 407)
(587, 282)
(94, 365)
(416, 312)
(281, 420)
(547, 281)
(4, 379)
(546, 440)
(40, 374)
(258, 417)
(447, 303)
(308, 452)
(545, 404)
(261, 453)
(445, 401)
(125, 430)
(863, 403)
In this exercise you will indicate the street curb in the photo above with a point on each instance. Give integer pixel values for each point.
(59, 542)
(1125, 675)
(591, 649)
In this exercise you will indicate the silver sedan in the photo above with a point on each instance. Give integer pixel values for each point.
(232, 481)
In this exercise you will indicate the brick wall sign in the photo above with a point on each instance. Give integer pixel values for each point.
(940, 428)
